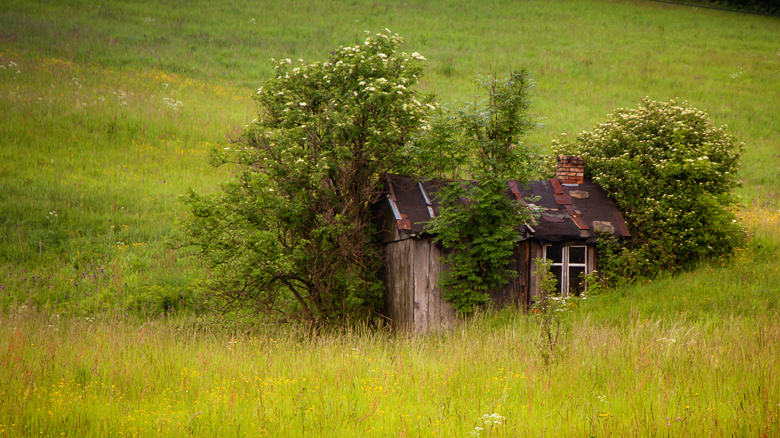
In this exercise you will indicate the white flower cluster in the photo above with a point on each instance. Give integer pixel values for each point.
(487, 420)
(121, 96)
(305, 98)
(12, 66)
(172, 103)
(665, 163)
(492, 418)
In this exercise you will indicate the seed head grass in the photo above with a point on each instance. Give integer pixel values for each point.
(102, 376)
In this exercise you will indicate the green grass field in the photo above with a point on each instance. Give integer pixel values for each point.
(646, 376)
(107, 114)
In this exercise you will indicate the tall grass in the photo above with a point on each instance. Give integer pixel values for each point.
(645, 377)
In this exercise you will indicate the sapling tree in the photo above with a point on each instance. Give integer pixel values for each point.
(477, 222)
(547, 313)
(671, 172)
(292, 234)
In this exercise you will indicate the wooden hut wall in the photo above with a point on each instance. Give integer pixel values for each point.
(399, 282)
(516, 291)
(431, 310)
(413, 298)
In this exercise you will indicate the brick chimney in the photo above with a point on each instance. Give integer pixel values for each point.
(571, 170)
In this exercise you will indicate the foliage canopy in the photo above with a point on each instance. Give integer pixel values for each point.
(293, 233)
(478, 223)
(671, 171)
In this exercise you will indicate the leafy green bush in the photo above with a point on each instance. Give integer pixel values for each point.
(671, 172)
(546, 312)
(481, 233)
(293, 234)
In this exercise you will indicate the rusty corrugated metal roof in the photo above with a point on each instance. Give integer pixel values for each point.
(556, 185)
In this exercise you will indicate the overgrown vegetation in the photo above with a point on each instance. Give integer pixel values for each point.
(546, 311)
(477, 222)
(672, 173)
(646, 374)
(294, 235)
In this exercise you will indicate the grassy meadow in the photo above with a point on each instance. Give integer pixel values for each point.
(674, 376)
(108, 111)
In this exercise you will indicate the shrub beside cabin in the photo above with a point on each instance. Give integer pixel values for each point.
(573, 210)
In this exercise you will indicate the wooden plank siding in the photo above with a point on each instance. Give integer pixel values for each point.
(413, 298)
(414, 301)
(433, 312)
(421, 263)
(516, 291)
(398, 282)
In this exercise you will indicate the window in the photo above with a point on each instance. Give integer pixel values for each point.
(569, 264)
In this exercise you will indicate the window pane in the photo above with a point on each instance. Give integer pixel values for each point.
(557, 271)
(555, 253)
(577, 254)
(576, 281)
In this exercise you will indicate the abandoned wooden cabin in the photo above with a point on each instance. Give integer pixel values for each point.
(573, 213)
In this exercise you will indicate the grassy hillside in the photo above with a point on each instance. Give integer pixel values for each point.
(588, 57)
(108, 111)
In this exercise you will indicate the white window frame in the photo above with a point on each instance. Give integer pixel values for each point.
(566, 264)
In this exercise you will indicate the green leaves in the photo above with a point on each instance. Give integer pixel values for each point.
(293, 234)
(478, 223)
(671, 171)
(480, 237)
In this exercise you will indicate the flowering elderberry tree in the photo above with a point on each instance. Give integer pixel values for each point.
(671, 171)
(293, 233)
